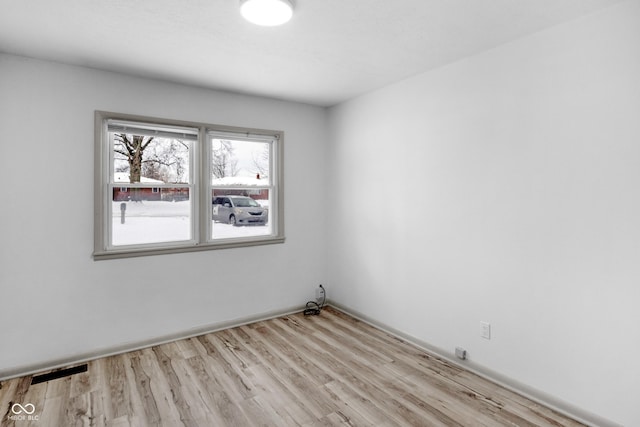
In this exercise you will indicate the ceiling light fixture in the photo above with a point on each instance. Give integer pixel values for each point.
(266, 12)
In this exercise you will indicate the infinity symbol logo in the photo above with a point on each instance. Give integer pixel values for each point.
(28, 409)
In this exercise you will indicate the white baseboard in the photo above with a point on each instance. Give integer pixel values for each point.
(47, 365)
(524, 390)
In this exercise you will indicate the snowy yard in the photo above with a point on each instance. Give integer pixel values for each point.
(158, 221)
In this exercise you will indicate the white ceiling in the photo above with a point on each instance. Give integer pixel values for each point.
(331, 51)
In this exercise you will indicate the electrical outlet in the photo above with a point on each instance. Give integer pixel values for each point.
(485, 330)
(461, 353)
(320, 295)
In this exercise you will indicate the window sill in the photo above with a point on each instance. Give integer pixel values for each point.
(140, 252)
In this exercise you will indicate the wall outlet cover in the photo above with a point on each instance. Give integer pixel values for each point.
(485, 330)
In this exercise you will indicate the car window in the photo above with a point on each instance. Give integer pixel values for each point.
(245, 202)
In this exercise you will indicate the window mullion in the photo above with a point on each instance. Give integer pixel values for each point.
(204, 171)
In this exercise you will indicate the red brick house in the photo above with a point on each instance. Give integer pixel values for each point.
(125, 193)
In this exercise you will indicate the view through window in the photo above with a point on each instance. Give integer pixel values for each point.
(241, 187)
(150, 184)
(163, 186)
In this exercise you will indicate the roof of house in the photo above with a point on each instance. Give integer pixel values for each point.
(123, 177)
(243, 181)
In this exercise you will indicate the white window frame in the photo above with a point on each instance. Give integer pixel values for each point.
(200, 187)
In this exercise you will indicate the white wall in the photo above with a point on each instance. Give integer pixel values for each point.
(55, 301)
(504, 188)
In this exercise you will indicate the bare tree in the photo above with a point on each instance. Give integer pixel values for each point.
(261, 162)
(147, 158)
(132, 147)
(223, 162)
(166, 161)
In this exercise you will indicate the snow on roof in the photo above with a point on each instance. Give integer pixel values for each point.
(245, 181)
(240, 180)
(124, 177)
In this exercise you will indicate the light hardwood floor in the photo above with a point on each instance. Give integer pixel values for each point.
(291, 371)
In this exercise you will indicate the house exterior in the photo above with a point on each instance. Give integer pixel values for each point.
(127, 193)
(236, 186)
(241, 186)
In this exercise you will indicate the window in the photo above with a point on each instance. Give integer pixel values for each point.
(241, 185)
(167, 186)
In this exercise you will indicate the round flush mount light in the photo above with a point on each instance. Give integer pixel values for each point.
(266, 12)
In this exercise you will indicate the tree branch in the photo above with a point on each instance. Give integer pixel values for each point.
(144, 145)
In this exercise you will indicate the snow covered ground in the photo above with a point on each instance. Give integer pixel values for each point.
(158, 221)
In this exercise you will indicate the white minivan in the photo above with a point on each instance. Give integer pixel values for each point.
(239, 210)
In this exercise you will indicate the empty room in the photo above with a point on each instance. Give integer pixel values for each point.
(318, 213)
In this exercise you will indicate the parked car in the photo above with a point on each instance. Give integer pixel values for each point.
(239, 210)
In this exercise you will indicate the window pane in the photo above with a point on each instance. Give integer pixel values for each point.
(142, 216)
(240, 162)
(148, 160)
(240, 213)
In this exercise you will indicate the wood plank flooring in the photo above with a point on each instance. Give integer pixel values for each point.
(327, 370)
